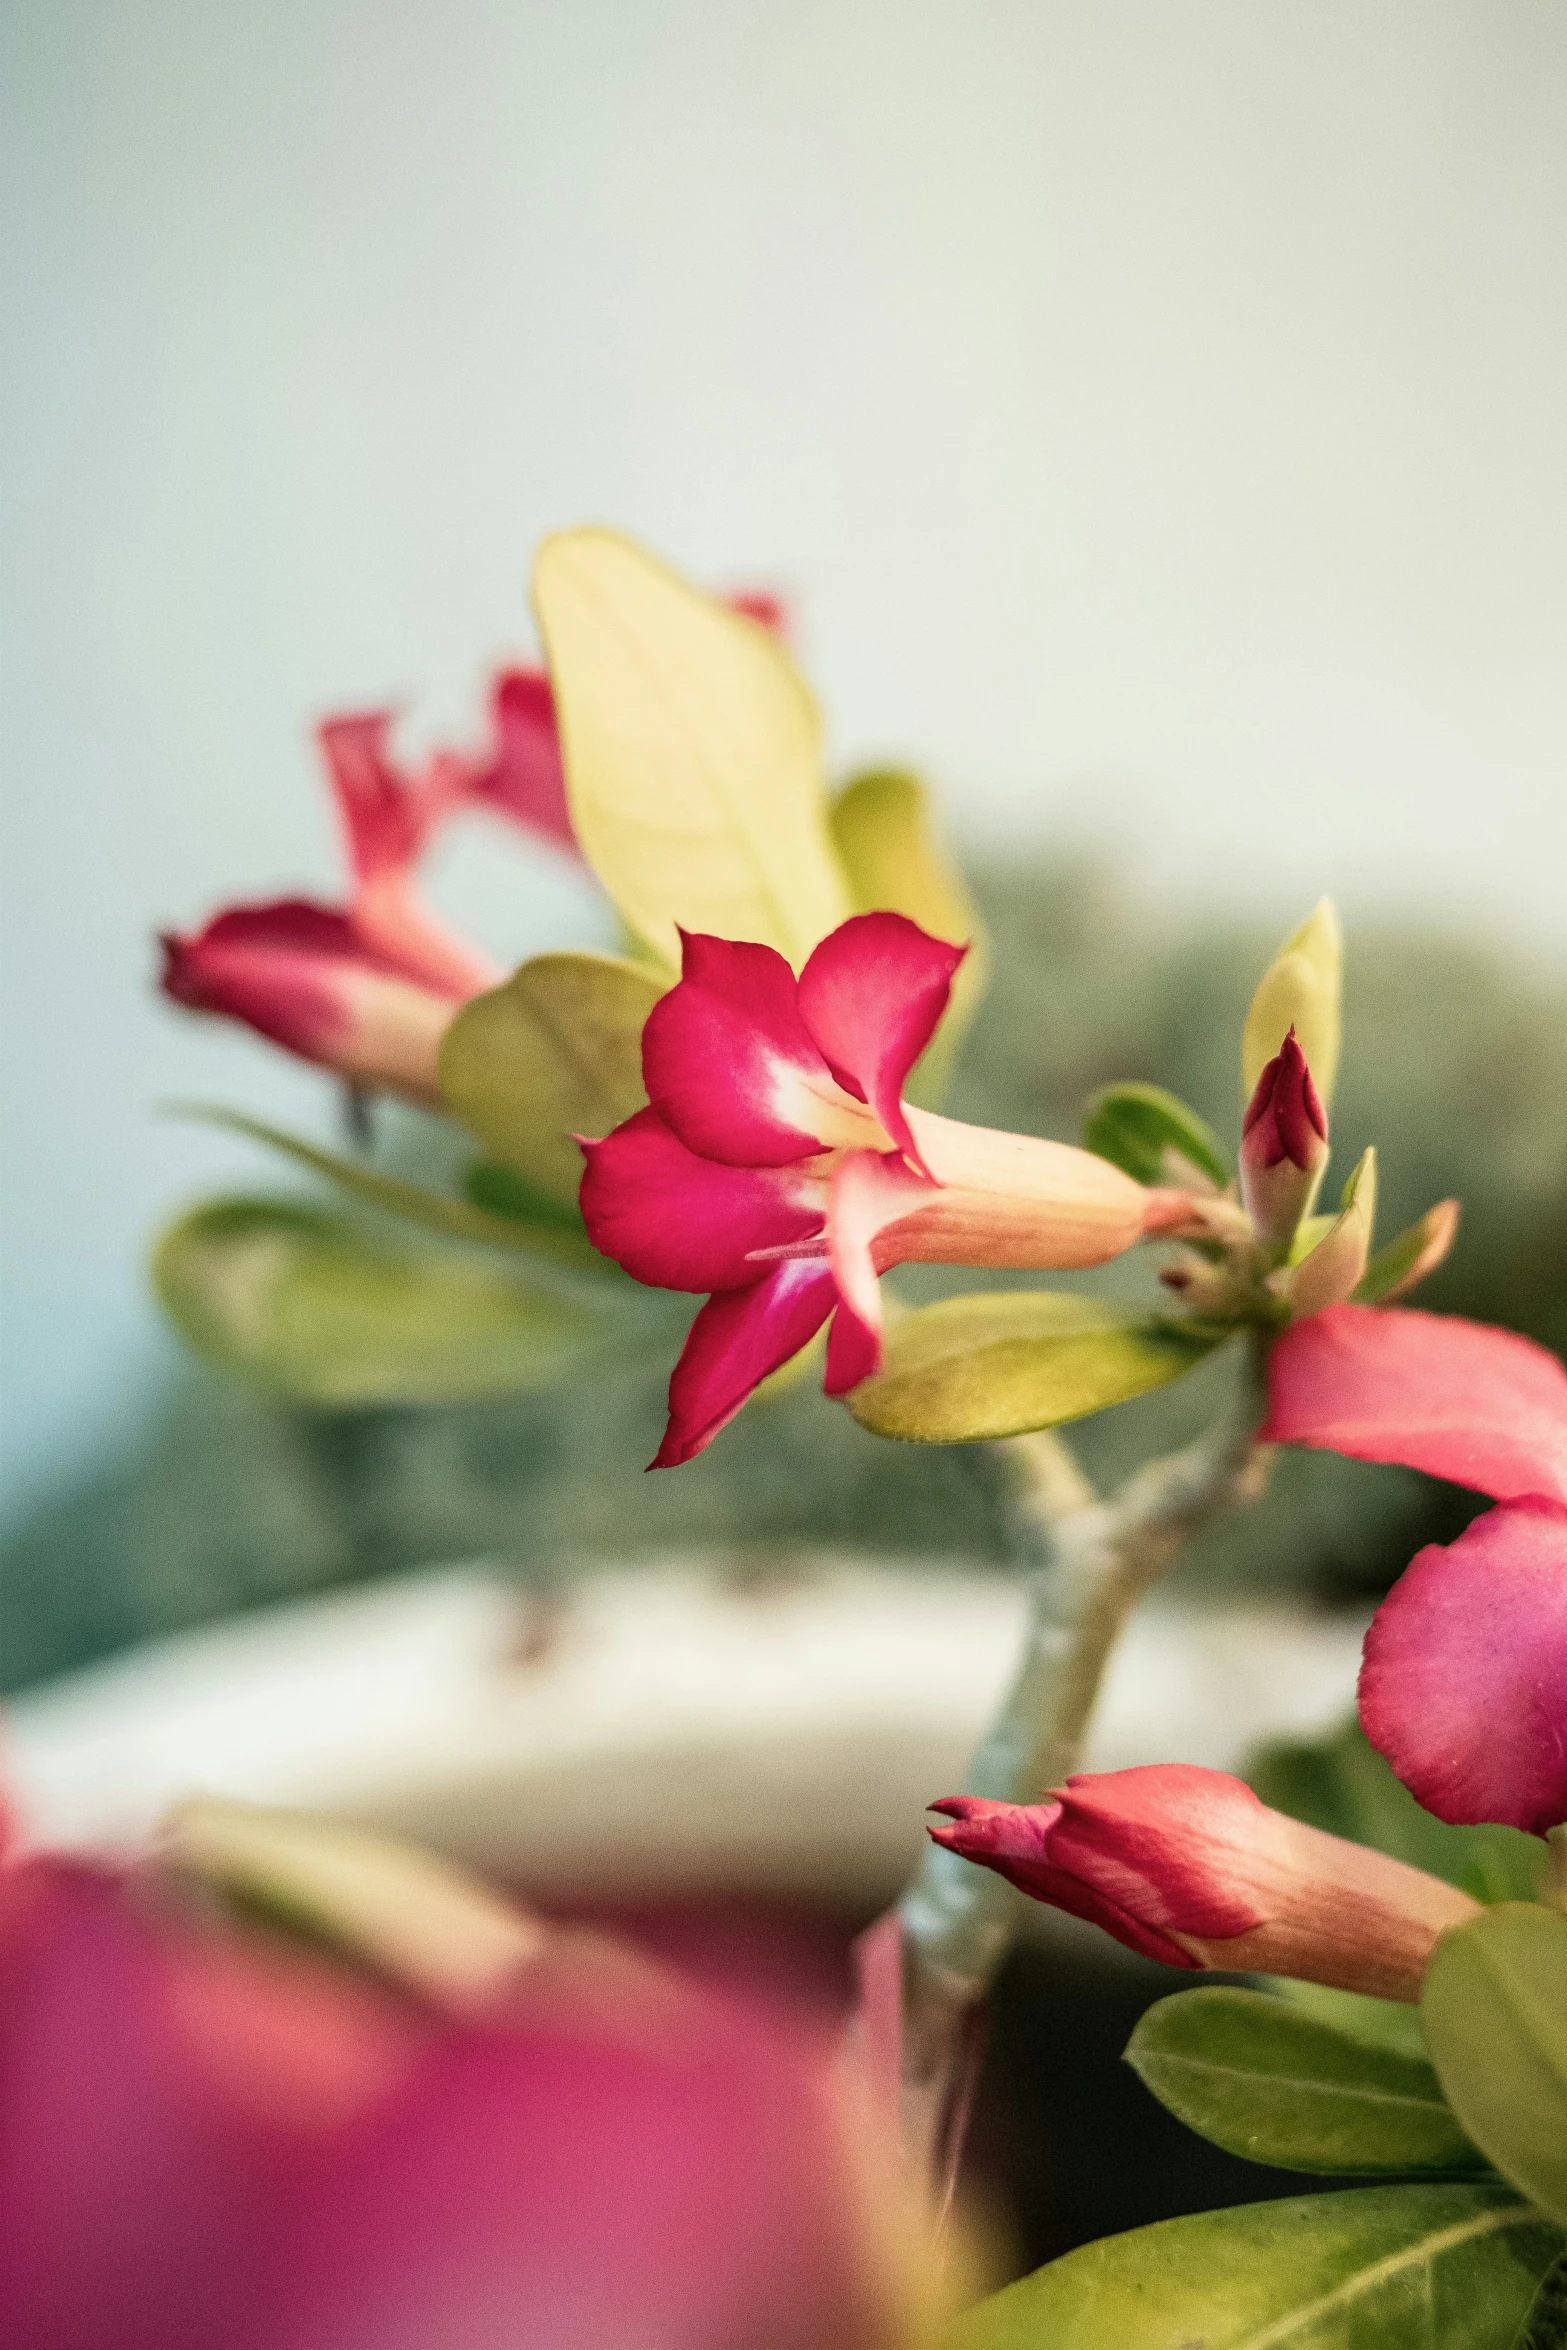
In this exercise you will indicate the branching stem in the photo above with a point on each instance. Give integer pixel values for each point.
(1089, 1561)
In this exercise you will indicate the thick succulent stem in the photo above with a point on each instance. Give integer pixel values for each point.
(1089, 1561)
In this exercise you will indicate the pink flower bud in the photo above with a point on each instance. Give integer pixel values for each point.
(1284, 1146)
(1188, 1866)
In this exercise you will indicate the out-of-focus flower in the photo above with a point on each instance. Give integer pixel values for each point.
(1464, 1683)
(780, 1168)
(1284, 1147)
(1187, 1865)
(211, 2136)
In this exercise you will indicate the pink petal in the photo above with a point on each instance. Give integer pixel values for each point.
(677, 1221)
(387, 812)
(730, 1065)
(1464, 1684)
(1481, 1407)
(870, 1189)
(524, 778)
(739, 1338)
(871, 996)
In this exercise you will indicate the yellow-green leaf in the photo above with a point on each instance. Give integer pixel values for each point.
(692, 752)
(882, 825)
(1494, 2014)
(1330, 1272)
(1148, 1133)
(1394, 1271)
(1301, 989)
(999, 1364)
(300, 1299)
(555, 1052)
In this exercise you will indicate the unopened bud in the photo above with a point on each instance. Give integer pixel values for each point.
(1187, 1865)
(1284, 1147)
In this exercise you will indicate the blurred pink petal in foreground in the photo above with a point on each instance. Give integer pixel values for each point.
(209, 2138)
(779, 1167)
(1464, 1684)
(1188, 1866)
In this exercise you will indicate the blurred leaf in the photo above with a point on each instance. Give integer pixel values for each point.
(501, 1191)
(1373, 2268)
(1341, 1783)
(692, 750)
(299, 1298)
(456, 1219)
(411, 1914)
(895, 863)
(556, 1051)
(1394, 1270)
(1000, 1363)
(1494, 2014)
(1329, 1273)
(1302, 989)
(1545, 2326)
(1134, 1125)
(1275, 2084)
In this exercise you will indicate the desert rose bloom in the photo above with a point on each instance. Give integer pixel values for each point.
(367, 988)
(780, 1168)
(1187, 1865)
(212, 2137)
(1464, 1683)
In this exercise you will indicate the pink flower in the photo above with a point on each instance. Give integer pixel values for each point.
(1188, 1866)
(368, 988)
(208, 2137)
(1464, 1683)
(780, 1168)
(1284, 1146)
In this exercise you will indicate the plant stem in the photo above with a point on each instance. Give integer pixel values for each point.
(1089, 1562)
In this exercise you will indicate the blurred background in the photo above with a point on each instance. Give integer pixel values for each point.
(1153, 417)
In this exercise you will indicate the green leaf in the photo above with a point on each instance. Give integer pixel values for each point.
(997, 1364)
(1394, 1270)
(1376, 2023)
(555, 1052)
(692, 750)
(1342, 1784)
(297, 1297)
(1133, 1126)
(1494, 2014)
(1267, 2080)
(1331, 1271)
(1545, 2325)
(501, 1191)
(455, 1219)
(1373, 2268)
(882, 828)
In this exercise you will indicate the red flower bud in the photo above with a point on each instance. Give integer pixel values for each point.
(1188, 1866)
(1284, 1146)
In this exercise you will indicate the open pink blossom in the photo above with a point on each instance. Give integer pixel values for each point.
(1188, 1866)
(779, 1167)
(210, 2136)
(1464, 1683)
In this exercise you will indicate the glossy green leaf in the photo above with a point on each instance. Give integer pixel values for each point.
(1267, 2080)
(1373, 2268)
(692, 750)
(1302, 989)
(556, 1051)
(1395, 1270)
(1139, 1127)
(1545, 2325)
(998, 1364)
(435, 1211)
(1342, 1784)
(1494, 2014)
(883, 830)
(297, 1297)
